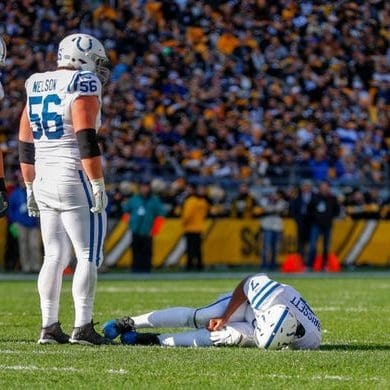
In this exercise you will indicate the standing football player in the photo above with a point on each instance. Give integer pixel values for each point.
(260, 312)
(3, 191)
(61, 165)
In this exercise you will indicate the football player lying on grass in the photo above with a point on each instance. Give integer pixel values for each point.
(260, 312)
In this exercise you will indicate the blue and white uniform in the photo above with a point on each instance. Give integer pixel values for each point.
(261, 292)
(62, 190)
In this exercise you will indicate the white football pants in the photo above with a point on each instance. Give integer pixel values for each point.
(64, 199)
(181, 317)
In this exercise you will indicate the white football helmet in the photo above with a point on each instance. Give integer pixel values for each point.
(83, 51)
(3, 51)
(275, 328)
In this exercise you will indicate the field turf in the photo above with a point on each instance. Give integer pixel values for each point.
(354, 310)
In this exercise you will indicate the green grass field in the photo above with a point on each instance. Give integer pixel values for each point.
(354, 310)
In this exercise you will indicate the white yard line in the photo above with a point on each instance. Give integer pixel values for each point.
(39, 352)
(119, 371)
(159, 290)
(326, 377)
(332, 377)
(344, 309)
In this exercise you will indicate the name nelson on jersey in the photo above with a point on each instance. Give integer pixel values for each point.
(44, 85)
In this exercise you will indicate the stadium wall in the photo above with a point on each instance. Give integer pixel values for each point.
(233, 242)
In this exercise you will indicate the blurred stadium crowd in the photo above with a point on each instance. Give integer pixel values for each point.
(220, 92)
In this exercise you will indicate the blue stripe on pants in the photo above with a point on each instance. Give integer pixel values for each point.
(100, 236)
(208, 306)
(91, 217)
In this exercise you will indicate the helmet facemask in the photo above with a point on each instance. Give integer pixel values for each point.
(102, 67)
(3, 52)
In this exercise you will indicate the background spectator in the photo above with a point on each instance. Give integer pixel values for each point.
(244, 204)
(271, 224)
(299, 211)
(193, 216)
(223, 91)
(115, 207)
(361, 205)
(26, 229)
(322, 209)
(143, 208)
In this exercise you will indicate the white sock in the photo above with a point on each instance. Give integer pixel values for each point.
(83, 291)
(49, 288)
(192, 338)
(174, 317)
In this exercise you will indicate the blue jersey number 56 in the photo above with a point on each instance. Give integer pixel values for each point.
(44, 118)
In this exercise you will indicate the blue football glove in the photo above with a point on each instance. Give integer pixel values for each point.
(110, 330)
(129, 338)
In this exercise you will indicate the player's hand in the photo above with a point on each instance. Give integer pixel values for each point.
(216, 324)
(99, 195)
(3, 203)
(226, 336)
(32, 207)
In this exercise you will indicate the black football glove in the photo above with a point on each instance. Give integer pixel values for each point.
(3, 199)
(125, 324)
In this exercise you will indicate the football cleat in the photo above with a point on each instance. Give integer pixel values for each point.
(87, 335)
(53, 334)
(136, 338)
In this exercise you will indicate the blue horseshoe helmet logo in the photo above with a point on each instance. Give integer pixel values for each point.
(78, 40)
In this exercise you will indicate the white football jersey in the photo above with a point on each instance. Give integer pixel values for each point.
(49, 100)
(263, 292)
